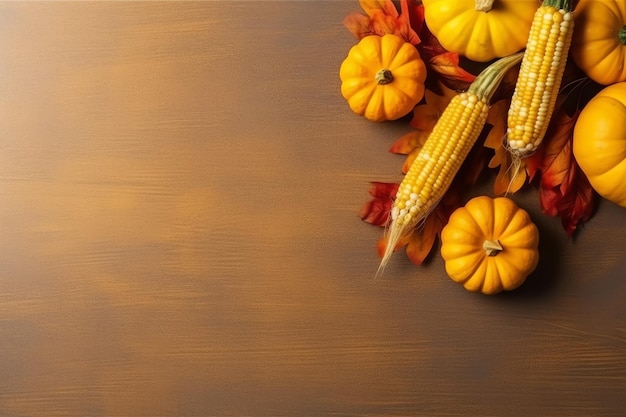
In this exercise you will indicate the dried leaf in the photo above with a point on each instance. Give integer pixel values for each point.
(557, 151)
(509, 181)
(376, 211)
(564, 189)
(414, 12)
(359, 25)
(371, 7)
(409, 142)
(382, 18)
(533, 163)
(504, 182)
(447, 65)
(425, 115)
(421, 241)
(441, 63)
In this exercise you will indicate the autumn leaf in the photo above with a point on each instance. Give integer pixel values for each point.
(409, 144)
(446, 64)
(382, 18)
(533, 163)
(376, 211)
(508, 179)
(426, 114)
(564, 190)
(419, 243)
(414, 12)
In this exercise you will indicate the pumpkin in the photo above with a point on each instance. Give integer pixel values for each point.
(481, 30)
(382, 78)
(599, 42)
(490, 245)
(599, 142)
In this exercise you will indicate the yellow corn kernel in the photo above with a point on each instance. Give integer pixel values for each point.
(540, 77)
(447, 146)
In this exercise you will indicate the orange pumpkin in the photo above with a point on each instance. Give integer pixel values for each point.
(382, 78)
(599, 41)
(599, 142)
(490, 245)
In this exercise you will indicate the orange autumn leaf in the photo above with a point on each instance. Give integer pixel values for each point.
(425, 115)
(409, 144)
(382, 18)
(505, 182)
(446, 64)
(564, 189)
(420, 242)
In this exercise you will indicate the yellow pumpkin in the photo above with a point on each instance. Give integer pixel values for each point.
(599, 41)
(481, 30)
(382, 78)
(490, 245)
(599, 142)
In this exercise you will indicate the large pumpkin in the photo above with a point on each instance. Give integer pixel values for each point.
(481, 30)
(382, 78)
(490, 245)
(599, 41)
(599, 142)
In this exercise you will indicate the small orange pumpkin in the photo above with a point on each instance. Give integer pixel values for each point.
(382, 78)
(599, 41)
(490, 245)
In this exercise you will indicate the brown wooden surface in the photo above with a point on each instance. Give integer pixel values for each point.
(179, 190)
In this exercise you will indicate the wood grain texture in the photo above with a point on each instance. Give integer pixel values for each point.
(179, 187)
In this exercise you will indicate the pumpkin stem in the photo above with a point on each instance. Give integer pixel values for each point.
(483, 5)
(384, 76)
(622, 35)
(492, 247)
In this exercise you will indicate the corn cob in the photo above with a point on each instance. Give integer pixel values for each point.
(447, 146)
(540, 77)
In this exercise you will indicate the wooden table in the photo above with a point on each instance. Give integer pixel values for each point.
(180, 185)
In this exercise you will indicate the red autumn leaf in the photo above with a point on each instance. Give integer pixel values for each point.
(564, 189)
(533, 163)
(414, 12)
(376, 211)
(382, 18)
